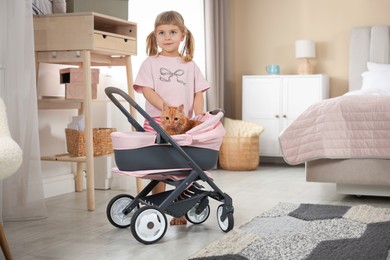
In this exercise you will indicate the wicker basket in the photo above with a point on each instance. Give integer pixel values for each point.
(239, 153)
(75, 141)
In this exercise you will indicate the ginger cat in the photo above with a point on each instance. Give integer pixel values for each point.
(174, 121)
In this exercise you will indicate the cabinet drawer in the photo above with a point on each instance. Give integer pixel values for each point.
(118, 45)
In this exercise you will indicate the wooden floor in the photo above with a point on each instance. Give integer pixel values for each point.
(72, 232)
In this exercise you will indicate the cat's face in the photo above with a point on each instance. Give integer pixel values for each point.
(172, 117)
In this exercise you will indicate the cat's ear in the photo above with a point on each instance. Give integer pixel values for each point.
(165, 106)
(180, 108)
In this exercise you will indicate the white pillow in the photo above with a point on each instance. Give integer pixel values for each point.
(372, 66)
(377, 79)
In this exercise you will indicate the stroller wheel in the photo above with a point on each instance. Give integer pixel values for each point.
(115, 210)
(228, 223)
(149, 225)
(195, 218)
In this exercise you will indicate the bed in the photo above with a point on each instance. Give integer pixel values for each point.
(342, 140)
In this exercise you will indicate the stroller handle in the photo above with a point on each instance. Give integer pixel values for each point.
(110, 91)
(162, 136)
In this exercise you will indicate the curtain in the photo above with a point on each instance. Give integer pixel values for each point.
(218, 54)
(21, 195)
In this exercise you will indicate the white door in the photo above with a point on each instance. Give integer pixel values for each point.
(298, 94)
(262, 105)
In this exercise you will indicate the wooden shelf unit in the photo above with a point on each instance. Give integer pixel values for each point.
(85, 40)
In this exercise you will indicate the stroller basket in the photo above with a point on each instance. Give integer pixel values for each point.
(178, 160)
(160, 157)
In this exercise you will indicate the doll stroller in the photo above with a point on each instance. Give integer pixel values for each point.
(180, 161)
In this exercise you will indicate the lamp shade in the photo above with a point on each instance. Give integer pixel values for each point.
(305, 49)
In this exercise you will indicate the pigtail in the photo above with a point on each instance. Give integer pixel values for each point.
(151, 44)
(188, 49)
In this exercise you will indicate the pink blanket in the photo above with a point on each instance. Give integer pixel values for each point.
(354, 126)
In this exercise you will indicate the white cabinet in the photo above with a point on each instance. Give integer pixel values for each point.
(274, 101)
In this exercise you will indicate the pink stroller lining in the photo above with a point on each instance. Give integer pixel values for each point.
(209, 135)
(157, 174)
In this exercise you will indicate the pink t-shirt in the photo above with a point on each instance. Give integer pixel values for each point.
(174, 80)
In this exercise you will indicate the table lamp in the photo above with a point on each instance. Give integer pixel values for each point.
(304, 50)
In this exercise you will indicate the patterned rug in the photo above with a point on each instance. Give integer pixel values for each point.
(308, 231)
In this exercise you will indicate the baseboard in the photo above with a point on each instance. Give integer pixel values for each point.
(58, 185)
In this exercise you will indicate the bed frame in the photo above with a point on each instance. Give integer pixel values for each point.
(358, 176)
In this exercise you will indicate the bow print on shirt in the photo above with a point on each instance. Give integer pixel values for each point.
(166, 75)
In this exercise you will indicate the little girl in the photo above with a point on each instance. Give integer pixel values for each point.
(169, 75)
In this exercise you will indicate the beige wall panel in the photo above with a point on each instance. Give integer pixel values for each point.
(265, 31)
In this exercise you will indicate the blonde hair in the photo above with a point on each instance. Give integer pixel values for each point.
(174, 18)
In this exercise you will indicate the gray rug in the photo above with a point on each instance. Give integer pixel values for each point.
(308, 231)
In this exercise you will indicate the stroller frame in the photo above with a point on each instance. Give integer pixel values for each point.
(148, 223)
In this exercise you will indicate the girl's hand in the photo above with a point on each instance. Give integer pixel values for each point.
(200, 114)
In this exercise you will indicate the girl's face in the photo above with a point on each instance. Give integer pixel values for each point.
(168, 39)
